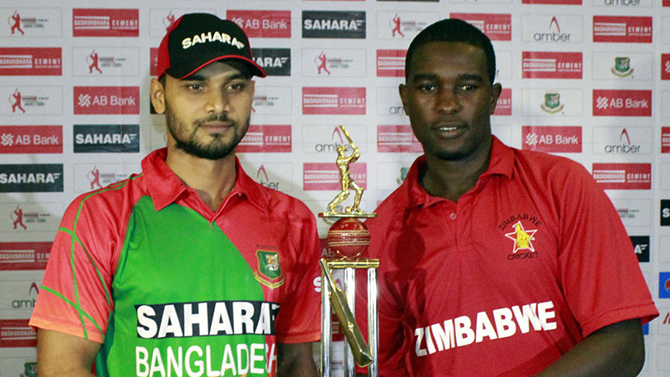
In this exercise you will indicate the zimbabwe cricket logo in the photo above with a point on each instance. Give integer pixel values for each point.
(269, 269)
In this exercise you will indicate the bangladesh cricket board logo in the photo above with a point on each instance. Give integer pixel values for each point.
(269, 269)
(30, 369)
(552, 103)
(622, 67)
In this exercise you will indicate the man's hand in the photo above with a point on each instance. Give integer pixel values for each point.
(615, 350)
(295, 360)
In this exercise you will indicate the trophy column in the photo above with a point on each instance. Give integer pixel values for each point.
(348, 237)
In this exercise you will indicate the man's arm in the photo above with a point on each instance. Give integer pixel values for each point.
(64, 355)
(615, 350)
(295, 360)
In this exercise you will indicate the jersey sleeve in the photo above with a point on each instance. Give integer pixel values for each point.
(75, 294)
(298, 320)
(392, 346)
(600, 274)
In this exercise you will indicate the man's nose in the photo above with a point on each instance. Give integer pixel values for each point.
(447, 102)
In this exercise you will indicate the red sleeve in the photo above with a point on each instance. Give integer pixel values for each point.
(600, 274)
(392, 344)
(298, 320)
(75, 294)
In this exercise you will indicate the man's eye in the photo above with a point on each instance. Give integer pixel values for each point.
(236, 86)
(195, 86)
(427, 88)
(468, 87)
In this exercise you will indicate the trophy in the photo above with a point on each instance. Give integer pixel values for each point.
(348, 237)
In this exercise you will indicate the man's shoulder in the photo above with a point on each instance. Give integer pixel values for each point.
(277, 201)
(546, 162)
(115, 196)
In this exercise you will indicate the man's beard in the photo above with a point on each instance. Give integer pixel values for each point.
(216, 150)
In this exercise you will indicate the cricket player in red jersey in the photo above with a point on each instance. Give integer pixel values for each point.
(496, 261)
(190, 268)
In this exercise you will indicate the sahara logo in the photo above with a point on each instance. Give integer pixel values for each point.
(333, 24)
(275, 61)
(31, 178)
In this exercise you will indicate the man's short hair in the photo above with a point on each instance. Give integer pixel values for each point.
(453, 30)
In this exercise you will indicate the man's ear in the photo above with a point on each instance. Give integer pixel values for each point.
(157, 96)
(496, 90)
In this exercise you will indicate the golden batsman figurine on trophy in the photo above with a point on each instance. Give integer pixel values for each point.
(348, 237)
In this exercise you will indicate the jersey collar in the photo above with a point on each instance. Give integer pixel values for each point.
(502, 163)
(166, 188)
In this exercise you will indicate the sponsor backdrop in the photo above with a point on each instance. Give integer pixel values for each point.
(587, 79)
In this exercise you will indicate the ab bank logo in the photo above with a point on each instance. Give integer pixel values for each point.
(665, 64)
(622, 102)
(552, 139)
(106, 100)
(31, 139)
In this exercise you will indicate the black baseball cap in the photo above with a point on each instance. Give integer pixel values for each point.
(197, 39)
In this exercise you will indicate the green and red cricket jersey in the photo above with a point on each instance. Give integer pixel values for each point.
(172, 288)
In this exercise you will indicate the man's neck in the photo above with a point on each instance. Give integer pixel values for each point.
(451, 179)
(213, 180)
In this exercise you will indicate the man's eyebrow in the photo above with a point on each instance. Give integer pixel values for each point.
(432, 76)
(199, 77)
(471, 77)
(424, 76)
